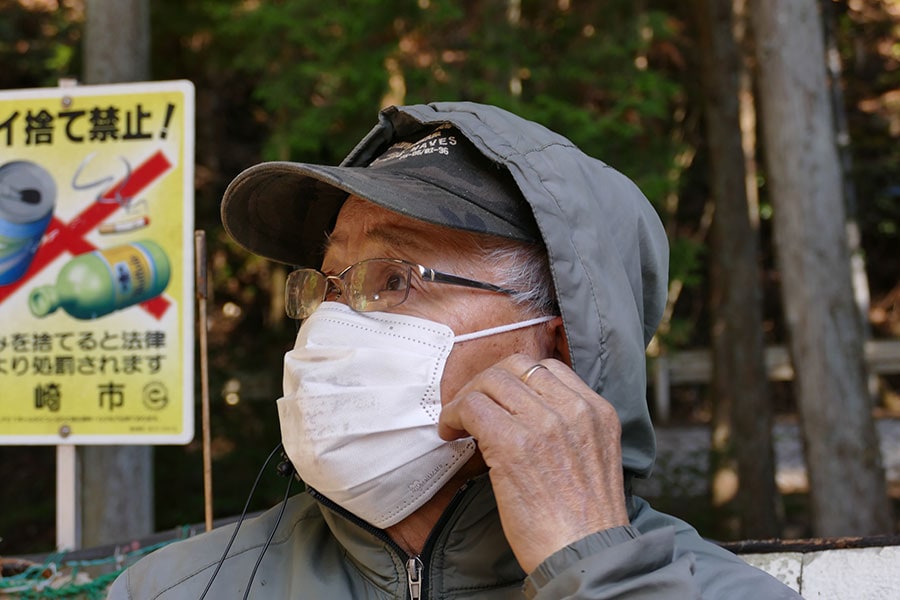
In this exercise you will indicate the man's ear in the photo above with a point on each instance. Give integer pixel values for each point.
(560, 341)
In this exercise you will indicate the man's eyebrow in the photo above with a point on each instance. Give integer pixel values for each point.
(399, 237)
(396, 237)
(330, 240)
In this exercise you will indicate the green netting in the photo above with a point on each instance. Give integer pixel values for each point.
(58, 577)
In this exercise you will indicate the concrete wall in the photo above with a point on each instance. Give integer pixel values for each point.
(847, 574)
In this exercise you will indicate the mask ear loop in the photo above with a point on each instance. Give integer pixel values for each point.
(278, 448)
(502, 329)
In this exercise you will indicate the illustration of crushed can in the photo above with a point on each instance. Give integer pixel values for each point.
(27, 200)
(97, 283)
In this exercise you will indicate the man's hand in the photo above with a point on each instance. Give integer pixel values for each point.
(553, 448)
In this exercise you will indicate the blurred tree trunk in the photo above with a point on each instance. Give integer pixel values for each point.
(743, 464)
(847, 485)
(117, 481)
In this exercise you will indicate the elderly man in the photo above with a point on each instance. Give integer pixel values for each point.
(465, 400)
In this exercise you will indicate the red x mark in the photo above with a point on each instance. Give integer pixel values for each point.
(61, 237)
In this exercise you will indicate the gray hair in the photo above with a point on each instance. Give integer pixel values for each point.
(526, 268)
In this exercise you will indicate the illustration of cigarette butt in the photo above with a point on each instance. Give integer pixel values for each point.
(126, 225)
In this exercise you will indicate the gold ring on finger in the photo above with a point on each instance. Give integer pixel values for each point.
(527, 374)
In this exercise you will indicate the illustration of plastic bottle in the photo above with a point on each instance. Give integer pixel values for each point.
(97, 283)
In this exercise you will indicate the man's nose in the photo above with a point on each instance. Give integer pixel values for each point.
(334, 290)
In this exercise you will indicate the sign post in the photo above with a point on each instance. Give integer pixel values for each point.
(96, 255)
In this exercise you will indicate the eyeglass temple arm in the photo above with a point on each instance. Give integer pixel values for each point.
(432, 275)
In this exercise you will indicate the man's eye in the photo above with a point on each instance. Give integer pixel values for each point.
(394, 282)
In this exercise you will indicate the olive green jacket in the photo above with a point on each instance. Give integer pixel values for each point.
(319, 551)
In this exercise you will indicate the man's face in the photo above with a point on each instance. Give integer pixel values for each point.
(365, 230)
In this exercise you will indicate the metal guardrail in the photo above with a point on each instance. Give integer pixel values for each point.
(810, 544)
(695, 366)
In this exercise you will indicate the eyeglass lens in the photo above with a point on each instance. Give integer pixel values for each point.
(370, 285)
(300, 289)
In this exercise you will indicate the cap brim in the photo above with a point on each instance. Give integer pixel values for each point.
(283, 210)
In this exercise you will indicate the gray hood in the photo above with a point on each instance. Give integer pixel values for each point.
(607, 248)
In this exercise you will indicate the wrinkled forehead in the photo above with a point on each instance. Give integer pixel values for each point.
(360, 221)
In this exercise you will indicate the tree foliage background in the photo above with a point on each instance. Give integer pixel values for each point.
(303, 80)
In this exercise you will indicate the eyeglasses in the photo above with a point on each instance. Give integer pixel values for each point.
(369, 285)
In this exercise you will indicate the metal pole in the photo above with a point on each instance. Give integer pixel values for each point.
(68, 498)
(68, 475)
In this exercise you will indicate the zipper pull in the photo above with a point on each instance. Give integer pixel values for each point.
(414, 568)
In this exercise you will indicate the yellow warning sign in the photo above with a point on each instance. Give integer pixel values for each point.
(96, 258)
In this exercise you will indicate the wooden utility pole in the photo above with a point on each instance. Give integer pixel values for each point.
(117, 481)
(847, 485)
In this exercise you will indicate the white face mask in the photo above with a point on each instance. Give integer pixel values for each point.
(360, 409)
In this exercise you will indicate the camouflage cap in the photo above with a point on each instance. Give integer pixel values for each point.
(283, 210)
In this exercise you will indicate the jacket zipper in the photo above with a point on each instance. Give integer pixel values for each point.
(415, 565)
(414, 569)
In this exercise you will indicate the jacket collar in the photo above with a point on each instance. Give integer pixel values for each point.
(466, 550)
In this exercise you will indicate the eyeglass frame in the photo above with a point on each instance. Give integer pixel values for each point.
(427, 274)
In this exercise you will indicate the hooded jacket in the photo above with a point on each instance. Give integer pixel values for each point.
(609, 259)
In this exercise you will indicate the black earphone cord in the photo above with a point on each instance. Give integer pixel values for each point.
(282, 470)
